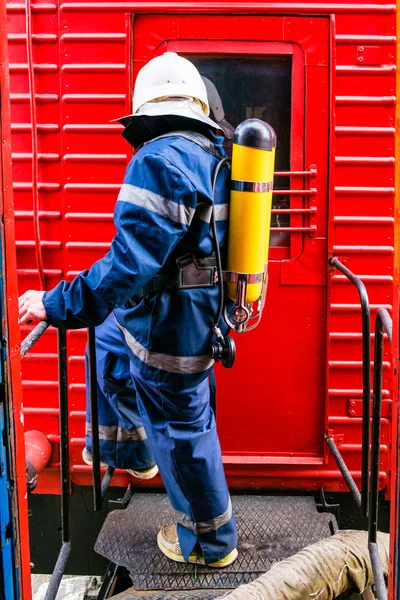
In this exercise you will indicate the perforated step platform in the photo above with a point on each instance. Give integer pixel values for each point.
(270, 528)
(133, 594)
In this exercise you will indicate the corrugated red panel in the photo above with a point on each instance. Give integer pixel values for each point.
(298, 374)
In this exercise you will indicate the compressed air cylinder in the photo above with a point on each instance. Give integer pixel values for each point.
(253, 158)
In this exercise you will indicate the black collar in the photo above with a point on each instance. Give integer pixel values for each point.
(141, 129)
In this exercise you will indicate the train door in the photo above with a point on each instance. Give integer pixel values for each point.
(271, 405)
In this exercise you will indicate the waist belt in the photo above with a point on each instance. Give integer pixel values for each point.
(191, 272)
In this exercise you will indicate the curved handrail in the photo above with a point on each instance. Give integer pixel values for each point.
(366, 366)
(383, 323)
(33, 337)
(368, 501)
(65, 550)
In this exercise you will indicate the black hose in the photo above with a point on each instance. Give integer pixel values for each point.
(218, 168)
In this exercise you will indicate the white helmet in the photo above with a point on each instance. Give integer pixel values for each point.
(214, 99)
(217, 108)
(169, 76)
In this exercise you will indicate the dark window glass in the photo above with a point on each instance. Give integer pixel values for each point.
(257, 87)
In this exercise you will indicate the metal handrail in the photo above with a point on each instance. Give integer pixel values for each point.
(33, 337)
(94, 418)
(100, 486)
(65, 550)
(351, 484)
(366, 368)
(383, 323)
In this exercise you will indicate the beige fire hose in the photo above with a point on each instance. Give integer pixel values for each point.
(321, 571)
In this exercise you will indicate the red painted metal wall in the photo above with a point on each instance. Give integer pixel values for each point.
(11, 380)
(299, 373)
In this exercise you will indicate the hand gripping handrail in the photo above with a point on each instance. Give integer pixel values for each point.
(366, 368)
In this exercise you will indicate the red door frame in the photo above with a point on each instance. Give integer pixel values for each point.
(10, 325)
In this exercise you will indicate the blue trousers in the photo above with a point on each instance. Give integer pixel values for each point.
(123, 440)
(143, 422)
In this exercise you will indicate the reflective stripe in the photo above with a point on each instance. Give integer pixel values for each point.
(156, 203)
(109, 433)
(167, 362)
(204, 526)
(251, 186)
(131, 435)
(221, 212)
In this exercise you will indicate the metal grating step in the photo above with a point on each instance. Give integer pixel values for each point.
(271, 528)
(132, 594)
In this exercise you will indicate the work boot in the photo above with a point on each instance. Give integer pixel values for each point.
(168, 542)
(146, 474)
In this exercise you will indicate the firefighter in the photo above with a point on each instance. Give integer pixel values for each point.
(123, 440)
(163, 316)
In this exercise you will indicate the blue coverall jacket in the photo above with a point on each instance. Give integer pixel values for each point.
(162, 213)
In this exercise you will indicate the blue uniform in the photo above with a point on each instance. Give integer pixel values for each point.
(163, 212)
(122, 437)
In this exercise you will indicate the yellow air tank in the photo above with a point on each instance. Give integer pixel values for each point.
(253, 158)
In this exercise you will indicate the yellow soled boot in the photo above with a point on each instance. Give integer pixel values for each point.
(168, 542)
(147, 474)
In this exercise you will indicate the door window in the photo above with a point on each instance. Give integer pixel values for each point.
(257, 87)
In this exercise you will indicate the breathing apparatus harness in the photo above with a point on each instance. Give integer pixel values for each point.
(194, 272)
(251, 198)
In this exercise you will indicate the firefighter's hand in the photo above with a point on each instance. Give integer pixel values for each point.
(31, 307)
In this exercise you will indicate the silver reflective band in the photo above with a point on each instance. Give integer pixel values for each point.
(248, 277)
(220, 210)
(120, 434)
(251, 186)
(204, 526)
(167, 362)
(155, 203)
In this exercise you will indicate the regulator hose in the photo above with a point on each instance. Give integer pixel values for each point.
(222, 163)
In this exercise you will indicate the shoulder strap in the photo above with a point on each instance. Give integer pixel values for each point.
(192, 136)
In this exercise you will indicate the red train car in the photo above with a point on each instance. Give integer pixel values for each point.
(324, 75)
